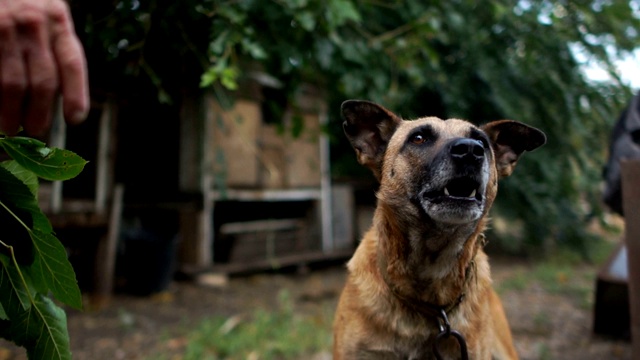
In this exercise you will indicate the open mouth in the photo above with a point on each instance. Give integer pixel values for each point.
(464, 188)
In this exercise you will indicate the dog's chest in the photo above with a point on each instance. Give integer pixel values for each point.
(420, 352)
(413, 338)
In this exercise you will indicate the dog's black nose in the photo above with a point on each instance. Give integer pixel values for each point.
(467, 150)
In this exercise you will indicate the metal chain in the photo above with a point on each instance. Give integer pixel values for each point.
(446, 332)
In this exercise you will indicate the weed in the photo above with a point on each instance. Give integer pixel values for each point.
(544, 352)
(262, 334)
(563, 273)
(542, 323)
(518, 281)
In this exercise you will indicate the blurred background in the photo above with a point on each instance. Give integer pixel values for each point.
(216, 146)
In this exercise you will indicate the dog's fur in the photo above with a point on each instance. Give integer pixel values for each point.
(438, 180)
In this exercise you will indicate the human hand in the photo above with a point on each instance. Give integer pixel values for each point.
(40, 55)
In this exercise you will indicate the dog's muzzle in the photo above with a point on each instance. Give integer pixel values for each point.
(455, 192)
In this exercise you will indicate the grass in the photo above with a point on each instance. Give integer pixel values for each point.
(287, 333)
(563, 273)
(260, 335)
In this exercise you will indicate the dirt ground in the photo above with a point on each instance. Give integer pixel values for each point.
(546, 325)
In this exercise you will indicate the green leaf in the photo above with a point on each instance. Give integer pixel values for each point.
(47, 163)
(35, 322)
(339, 12)
(217, 46)
(27, 316)
(208, 78)
(52, 269)
(306, 19)
(42, 330)
(27, 177)
(15, 191)
(229, 78)
(12, 286)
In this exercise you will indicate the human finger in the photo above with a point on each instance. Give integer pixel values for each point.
(13, 81)
(70, 58)
(40, 69)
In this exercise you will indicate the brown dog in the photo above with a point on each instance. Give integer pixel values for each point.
(419, 285)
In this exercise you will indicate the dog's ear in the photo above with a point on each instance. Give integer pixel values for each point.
(509, 140)
(368, 127)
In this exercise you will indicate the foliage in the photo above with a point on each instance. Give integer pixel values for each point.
(280, 334)
(33, 262)
(476, 60)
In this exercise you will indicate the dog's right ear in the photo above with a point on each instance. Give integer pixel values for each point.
(509, 140)
(368, 127)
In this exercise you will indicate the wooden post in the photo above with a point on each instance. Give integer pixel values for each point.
(58, 138)
(104, 161)
(106, 254)
(328, 243)
(195, 165)
(631, 205)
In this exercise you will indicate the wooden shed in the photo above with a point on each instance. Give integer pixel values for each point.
(267, 196)
(252, 187)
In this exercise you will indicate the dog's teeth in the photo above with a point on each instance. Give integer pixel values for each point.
(446, 191)
(473, 193)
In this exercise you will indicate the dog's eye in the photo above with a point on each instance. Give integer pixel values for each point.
(418, 139)
(475, 135)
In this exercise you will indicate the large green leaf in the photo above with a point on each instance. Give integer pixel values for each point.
(51, 269)
(13, 189)
(42, 330)
(47, 163)
(27, 177)
(27, 316)
(35, 322)
(13, 286)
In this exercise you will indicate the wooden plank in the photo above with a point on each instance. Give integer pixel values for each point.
(205, 237)
(342, 216)
(303, 258)
(106, 254)
(191, 143)
(325, 188)
(303, 154)
(65, 220)
(234, 146)
(189, 237)
(631, 203)
(272, 158)
(259, 225)
(104, 167)
(195, 167)
(266, 195)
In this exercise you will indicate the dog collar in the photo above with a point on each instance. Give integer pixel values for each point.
(435, 311)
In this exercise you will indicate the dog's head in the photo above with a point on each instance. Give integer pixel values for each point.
(448, 168)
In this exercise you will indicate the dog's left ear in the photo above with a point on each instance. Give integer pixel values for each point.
(509, 140)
